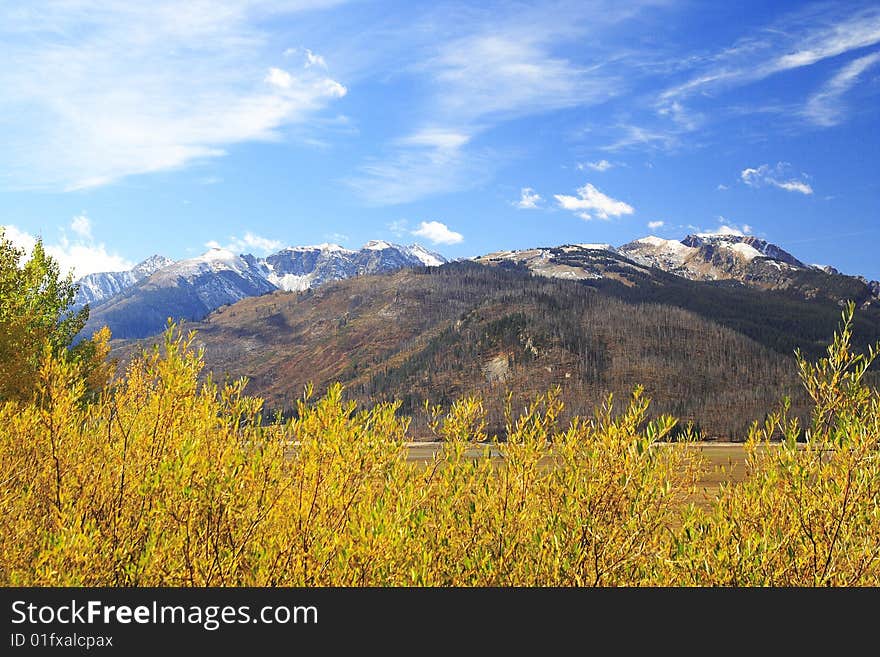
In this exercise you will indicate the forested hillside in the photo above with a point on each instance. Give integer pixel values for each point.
(438, 333)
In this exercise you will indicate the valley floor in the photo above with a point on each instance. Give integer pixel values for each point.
(723, 462)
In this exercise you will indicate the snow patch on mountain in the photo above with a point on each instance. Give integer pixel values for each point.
(596, 247)
(673, 246)
(745, 250)
(291, 282)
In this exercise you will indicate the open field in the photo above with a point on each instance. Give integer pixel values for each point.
(724, 462)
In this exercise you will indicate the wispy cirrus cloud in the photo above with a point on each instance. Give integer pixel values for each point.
(808, 36)
(419, 168)
(508, 75)
(777, 176)
(97, 91)
(507, 67)
(825, 107)
(795, 41)
(634, 136)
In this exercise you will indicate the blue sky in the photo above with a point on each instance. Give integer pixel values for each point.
(137, 128)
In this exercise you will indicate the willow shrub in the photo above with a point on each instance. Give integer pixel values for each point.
(163, 479)
(809, 512)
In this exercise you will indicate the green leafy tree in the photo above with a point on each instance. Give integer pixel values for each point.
(36, 315)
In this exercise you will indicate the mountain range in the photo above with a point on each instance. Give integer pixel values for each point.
(708, 325)
(724, 259)
(94, 289)
(138, 303)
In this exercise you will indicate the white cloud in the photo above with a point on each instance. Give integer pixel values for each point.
(250, 242)
(774, 176)
(398, 227)
(729, 230)
(825, 107)
(722, 187)
(437, 233)
(82, 256)
(794, 186)
(442, 139)
(313, 59)
(590, 201)
(82, 226)
(601, 165)
(726, 228)
(336, 238)
(19, 238)
(280, 78)
(528, 199)
(104, 90)
(654, 225)
(751, 176)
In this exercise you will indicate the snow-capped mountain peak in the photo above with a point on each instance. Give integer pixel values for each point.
(326, 246)
(213, 260)
(218, 255)
(427, 258)
(762, 247)
(745, 259)
(299, 268)
(669, 255)
(151, 265)
(191, 288)
(377, 245)
(94, 289)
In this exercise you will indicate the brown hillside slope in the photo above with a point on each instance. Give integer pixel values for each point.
(441, 333)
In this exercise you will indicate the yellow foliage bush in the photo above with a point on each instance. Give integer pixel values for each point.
(164, 479)
(809, 513)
